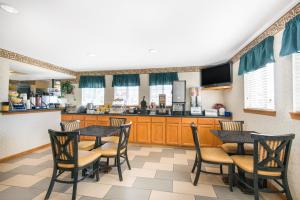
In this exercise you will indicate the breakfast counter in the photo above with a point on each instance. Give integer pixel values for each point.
(15, 112)
(158, 129)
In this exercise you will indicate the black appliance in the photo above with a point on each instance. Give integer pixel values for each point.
(219, 75)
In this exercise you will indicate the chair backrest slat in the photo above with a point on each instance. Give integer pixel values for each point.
(71, 125)
(231, 125)
(117, 122)
(64, 147)
(271, 152)
(196, 140)
(124, 137)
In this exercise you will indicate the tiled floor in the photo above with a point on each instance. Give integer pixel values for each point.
(157, 173)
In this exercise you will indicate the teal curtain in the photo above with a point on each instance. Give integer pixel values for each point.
(163, 78)
(126, 80)
(258, 56)
(291, 37)
(92, 82)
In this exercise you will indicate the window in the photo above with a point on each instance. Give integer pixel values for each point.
(155, 90)
(259, 88)
(130, 94)
(92, 95)
(296, 82)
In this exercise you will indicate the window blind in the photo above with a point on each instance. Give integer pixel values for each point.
(259, 88)
(92, 95)
(296, 82)
(130, 94)
(155, 90)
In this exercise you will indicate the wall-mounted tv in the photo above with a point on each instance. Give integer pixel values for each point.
(217, 75)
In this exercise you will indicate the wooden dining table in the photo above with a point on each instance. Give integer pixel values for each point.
(241, 138)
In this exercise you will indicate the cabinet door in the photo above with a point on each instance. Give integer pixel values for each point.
(66, 117)
(186, 135)
(158, 133)
(143, 132)
(173, 134)
(132, 135)
(206, 138)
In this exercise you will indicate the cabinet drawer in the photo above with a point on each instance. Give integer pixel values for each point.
(189, 120)
(144, 119)
(173, 120)
(158, 119)
(90, 118)
(103, 118)
(206, 121)
(78, 117)
(131, 119)
(66, 117)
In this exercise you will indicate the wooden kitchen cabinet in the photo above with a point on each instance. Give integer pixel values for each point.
(143, 132)
(158, 131)
(173, 133)
(186, 131)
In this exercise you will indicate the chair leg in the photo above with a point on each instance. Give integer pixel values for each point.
(119, 169)
(230, 176)
(127, 161)
(287, 189)
(195, 164)
(75, 181)
(107, 161)
(255, 187)
(198, 172)
(221, 169)
(51, 183)
(97, 170)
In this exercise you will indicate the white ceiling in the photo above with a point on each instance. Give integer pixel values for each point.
(120, 32)
(22, 72)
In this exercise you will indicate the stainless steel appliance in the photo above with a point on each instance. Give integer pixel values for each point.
(196, 104)
(118, 107)
(178, 97)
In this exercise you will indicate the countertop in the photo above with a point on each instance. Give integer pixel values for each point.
(157, 115)
(13, 112)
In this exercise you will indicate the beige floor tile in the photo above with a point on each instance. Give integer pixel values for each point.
(3, 187)
(215, 169)
(158, 166)
(45, 173)
(56, 196)
(31, 161)
(270, 196)
(180, 161)
(209, 179)
(111, 179)
(131, 156)
(22, 180)
(91, 189)
(5, 167)
(180, 156)
(167, 160)
(189, 188)
(140, 172)
(151, 149)
(138, 153)
(158, 195)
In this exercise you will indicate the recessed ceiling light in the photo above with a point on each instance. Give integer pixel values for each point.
(9, 9)
(152, 51)
(91, 54)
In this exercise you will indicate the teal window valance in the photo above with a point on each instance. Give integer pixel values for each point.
(258, 56)
(163, 78)
(291, 37)
(126, 80)
(92, 82)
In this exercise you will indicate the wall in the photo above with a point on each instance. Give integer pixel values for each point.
(209, 97)
(4, 80)
(282, 123)
(21, 132)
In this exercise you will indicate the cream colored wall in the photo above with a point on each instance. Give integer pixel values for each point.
(209, 98)
(282, 123)
(4, 80)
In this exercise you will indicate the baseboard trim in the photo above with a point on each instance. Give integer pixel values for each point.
(24, 153)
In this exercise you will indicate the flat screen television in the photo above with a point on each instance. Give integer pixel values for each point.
(217, 75)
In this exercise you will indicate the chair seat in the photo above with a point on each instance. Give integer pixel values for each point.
(215, 155)
(84, 158)
(86, 145)
(246, 164)
(114, 139)
(108, 149)
(231, 148)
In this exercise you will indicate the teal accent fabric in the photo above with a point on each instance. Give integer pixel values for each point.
(258, 56)
(163, 78)
(92, 82)
(126, 80)
(291, 37)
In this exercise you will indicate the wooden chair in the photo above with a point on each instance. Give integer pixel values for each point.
(74, 125)
(116, 122)
(269, 161)
(67, 157)
(119, 150)
(212, 155)
(231, 148)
